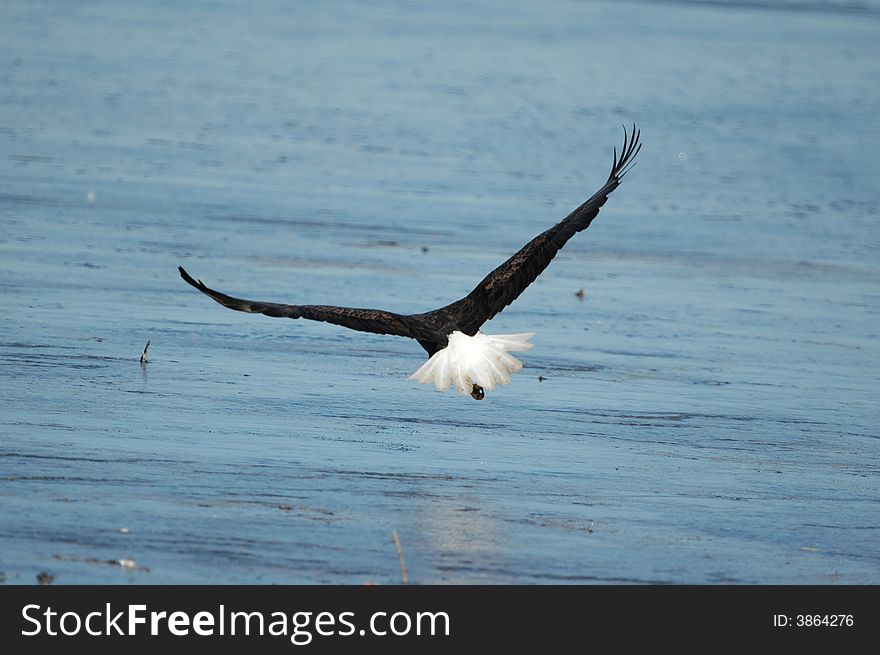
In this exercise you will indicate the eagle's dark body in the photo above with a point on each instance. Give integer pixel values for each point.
(497, 290)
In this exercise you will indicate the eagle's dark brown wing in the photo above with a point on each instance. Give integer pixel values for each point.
(365, 320)
(503, 285)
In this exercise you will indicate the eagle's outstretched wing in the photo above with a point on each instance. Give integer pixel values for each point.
(365, 320)
(503, 285)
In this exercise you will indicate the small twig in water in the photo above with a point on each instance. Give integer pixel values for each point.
(403, 573)
(144, 354)
(126, 564)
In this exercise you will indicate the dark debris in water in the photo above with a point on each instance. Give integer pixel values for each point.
(44, 578)
(125, 564)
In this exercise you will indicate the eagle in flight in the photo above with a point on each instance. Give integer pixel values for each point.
(458, 353)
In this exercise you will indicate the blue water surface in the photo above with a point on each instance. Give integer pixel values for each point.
(708, 410)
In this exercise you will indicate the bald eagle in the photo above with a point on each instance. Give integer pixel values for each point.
(458, 353)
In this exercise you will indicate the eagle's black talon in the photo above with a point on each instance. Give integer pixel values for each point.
(477, 392)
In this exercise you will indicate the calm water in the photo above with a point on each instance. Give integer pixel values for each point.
(709, 412)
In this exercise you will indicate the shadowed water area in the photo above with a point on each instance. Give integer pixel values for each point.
(706, 412)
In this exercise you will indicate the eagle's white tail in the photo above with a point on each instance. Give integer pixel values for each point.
(482, 359)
